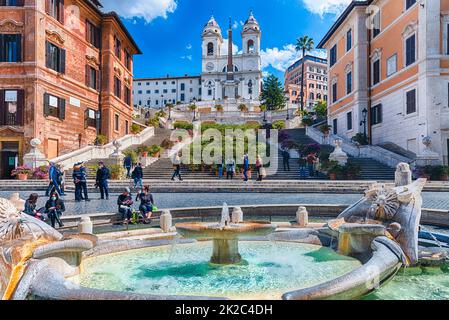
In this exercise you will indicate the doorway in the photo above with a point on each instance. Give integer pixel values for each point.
(53, 149)
(9, 158)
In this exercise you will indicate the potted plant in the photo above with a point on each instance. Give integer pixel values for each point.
(41, 173)
(135, 128)
(439, 173)
(360, 139)
(22, 173)
(154, 151)
(307, 120)
(423, 172)
(219, 108)
(334, 170)
(117, 172)
(351, 171)
(325, 129)
(100, 140)
(243, 108)
(142, 151)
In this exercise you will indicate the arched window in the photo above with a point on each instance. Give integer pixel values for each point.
(210, 49)
(225, 69)
(250, 87)
(312, 96)
(250, 46)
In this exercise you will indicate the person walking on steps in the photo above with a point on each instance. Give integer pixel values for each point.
(230, 169)
(54, 209)
(55, 176)
(286, 159)
(245, 167)
(260, 168)
(176, 168)
(80, 179)
(137, 176)
(103, 175)
(127, 164)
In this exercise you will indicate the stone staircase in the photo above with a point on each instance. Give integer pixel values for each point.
(373, 170)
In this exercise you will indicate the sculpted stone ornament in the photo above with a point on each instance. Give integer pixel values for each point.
(339, 155)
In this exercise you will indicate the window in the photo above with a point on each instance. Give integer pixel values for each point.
(127, 96)
(139, 92)
(376, 114)
(411, 101)
(333, 55)
(92, 77)
(376, 24)
(210, 49)
(349, 121)
(250, 46)
(126, 127)
(116, 123)
(90, 118)
(410, 50)
(183, 86)
(334, 92)
(157, 102)
(117, 88)
(127, 60)
(118, 48)
(165, 91)
(409, 3)
(12, 105)
(392, 65)
(311, 96)
(183, 97)
(164, 83)
(92, 34)
(173, 90)
(348, 82)
(349, 40)
(156, 91)
(376, 72)
(11, 3)
(335, 126)
(54, 106)
(55, 57)
(55, 8)
(10, 48)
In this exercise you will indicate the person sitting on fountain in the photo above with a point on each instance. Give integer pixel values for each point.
(125, 202)
(54, 208)
(30, 207)
(146, 207)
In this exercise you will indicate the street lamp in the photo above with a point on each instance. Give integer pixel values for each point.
(287, 100)
(364, 123)
(194, 110)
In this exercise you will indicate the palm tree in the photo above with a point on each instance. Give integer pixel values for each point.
(193, 108)
(304, 44)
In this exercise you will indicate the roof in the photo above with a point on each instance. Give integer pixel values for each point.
(307, 58)
(166, 78)
(115, 16)
(341, 19)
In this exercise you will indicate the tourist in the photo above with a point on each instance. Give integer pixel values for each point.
(259, 167)
(125, 202)
(55, 176)
(146, 207)
(80, 179)
(176, 168)
(245, 167)
(220, 169)
(230, 169)
(54, 209)
(137, 176)
(311, 160)
(30, 207)
(286, 159)
(302, 167)
(103, 176)
(127, 164)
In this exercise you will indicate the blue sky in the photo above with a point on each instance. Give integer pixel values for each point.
(169, 31)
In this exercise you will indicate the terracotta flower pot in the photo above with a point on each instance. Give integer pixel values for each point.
(333, 176)
(144, 154)
(22, 176)
(444, 177)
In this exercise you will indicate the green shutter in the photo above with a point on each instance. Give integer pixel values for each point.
(61, 103)
(46, 104)
(62, 61)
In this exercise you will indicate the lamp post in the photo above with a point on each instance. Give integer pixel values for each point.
(364, 123)
(194, 110)
(287, 101)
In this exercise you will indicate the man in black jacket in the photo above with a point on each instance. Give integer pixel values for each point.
(137, 176)
(103, 176)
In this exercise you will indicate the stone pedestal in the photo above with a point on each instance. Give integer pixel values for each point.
(18, 203)
(166, 221)
(35, 158)
(117, 155)
(85, 226)
(302, 217)
(237, 215)
(339, 155)
(226, 252)
(427, 156)
(403, 175)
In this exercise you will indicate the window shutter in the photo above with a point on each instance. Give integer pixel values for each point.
(2, 107)
(97, 35)
(46, 104)
(98, 120)
(20, 3)
(2, 48)
(98, 80)
(61, 103)
(47, 55)
(86, 117)
(61, 11)
(2, 2)
(87, 75)
(19, 48)
(20, 107)
(62, 60)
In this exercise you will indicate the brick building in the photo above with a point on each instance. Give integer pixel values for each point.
(66, 75)
(389, 62)
(315, 81)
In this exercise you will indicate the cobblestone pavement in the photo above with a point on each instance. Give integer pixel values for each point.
(184, 200)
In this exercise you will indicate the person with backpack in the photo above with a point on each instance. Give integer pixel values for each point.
(137, 176)
(54, 208)
(103, 175)
(55, 176)
(127, 164)
(80, 179)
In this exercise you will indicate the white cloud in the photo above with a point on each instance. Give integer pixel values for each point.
(224, 47)
(189, 46)
(145, 9)
(322, 7)
(281, 59)
(237, 24)
(189, 57)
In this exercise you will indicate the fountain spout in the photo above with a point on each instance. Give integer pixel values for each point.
(225, 217)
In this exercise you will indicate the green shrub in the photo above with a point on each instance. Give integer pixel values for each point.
(101, 140)
(183, 125)
(279, 125)
(136, 129)
(117, 172)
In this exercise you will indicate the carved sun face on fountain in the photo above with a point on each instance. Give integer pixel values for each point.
(11, 224)
(385, 203)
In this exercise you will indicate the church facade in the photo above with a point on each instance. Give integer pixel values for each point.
(228, 78)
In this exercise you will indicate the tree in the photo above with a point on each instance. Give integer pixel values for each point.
(304, 44)
(321, 109)
(273, 93)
